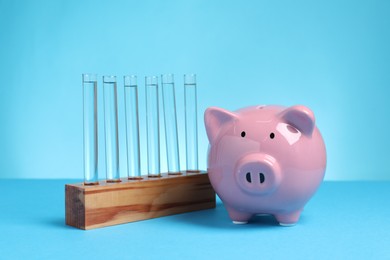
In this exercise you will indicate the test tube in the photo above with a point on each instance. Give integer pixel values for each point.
(169, 105)
(90, 129)
(111, 128)
(132, 126)
(152, 126)
(191, 124)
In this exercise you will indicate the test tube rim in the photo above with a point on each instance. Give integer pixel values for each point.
(130, 76)
(106, 77)
(84, 75)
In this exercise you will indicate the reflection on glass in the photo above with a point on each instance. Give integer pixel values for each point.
(191, 125)
(169, 104)
(132, 128)
(111, 128)
(152, 126)
(90, 129)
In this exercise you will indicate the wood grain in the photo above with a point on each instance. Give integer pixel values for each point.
(107, 204)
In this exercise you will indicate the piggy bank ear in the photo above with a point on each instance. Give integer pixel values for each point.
(214, 118)
(301, 117)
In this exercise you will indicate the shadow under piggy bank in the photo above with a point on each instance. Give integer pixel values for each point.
(219, 218)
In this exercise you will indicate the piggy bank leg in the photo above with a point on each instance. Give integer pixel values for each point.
(288, 219)
(238, 217)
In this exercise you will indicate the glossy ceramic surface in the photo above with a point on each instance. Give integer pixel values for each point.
(265, 160)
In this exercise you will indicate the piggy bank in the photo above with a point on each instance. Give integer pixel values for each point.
(264, 160)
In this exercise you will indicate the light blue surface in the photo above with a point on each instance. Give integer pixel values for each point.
(332, 56)
(344, 220)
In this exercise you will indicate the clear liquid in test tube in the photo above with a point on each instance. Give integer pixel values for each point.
(170, 119)
(152, 126)
(111, 128)
(132, 128)
(191, 124)
(90, 129)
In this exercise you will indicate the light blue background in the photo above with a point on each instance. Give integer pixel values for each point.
(332, 56)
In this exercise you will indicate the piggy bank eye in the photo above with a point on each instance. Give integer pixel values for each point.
(272, 135)
(243, 134)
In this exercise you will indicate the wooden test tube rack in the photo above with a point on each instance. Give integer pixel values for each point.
(107, 204)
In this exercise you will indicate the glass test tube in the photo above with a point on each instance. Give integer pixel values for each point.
(132, 127)
(152, 126)
(169, 105)
(111, 128)
(90, 129)
(191, 125)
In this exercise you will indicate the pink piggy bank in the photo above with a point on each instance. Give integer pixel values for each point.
(265, 160)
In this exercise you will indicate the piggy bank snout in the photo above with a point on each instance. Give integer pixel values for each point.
(258, 173)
